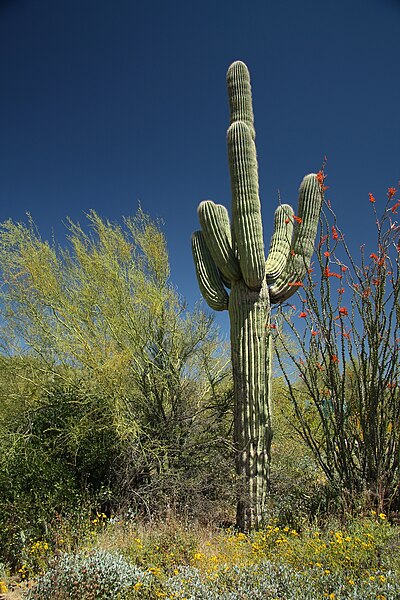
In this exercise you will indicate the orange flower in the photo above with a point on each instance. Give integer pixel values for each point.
(295, 284)
(320, 179)
(314, 333)
(343, 311)
(341, 291)
(272, 326)
(374, 256)
(327, 254)
(329, 273)
(344, 269)
(334, 358)
(371, 198)
(297, 219)
(391, 192)
(335, 234)
(395, 207)
(322, 240)
(287, 221)
(302, 315)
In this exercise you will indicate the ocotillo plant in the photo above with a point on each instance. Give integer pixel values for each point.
(232, 256)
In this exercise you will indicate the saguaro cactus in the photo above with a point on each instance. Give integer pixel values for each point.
(231, 256)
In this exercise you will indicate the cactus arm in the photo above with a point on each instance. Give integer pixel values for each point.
(208, 276)
(246, 208)
(239, 93)
(299, 256)
(281, 241)
(214, 221)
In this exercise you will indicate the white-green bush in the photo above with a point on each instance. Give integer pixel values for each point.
(94, 575)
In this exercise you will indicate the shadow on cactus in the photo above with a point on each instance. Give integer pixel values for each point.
(231, 256)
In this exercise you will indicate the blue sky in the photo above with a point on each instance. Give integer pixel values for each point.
(104, 104)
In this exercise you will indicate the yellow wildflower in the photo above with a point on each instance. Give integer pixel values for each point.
(198, 555)
(3, 587)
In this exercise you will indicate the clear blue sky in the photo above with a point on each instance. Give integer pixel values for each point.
(107, 103)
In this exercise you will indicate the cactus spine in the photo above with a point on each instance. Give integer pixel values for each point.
(232, 256)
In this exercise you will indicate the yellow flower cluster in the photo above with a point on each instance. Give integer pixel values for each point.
(99, 520)
(39, 547)
(349, 551)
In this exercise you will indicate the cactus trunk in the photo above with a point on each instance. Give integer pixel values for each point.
(249, 313)
(231, 255)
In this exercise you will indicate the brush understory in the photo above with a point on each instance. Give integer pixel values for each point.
(118, 557)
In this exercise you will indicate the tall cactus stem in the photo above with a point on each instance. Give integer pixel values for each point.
(246, 207)
(249, 313)
(239, 94)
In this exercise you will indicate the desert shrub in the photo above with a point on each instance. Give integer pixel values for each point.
(94, 575)
(199, 487)
(56, 456)
(32, 487)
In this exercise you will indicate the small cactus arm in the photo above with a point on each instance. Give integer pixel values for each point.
(232, 256)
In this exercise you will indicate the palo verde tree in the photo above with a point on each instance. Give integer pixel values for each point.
(346, 397)
(232, 256)
(101, 315)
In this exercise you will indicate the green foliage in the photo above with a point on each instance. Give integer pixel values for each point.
(57, 451)
(111, 392)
